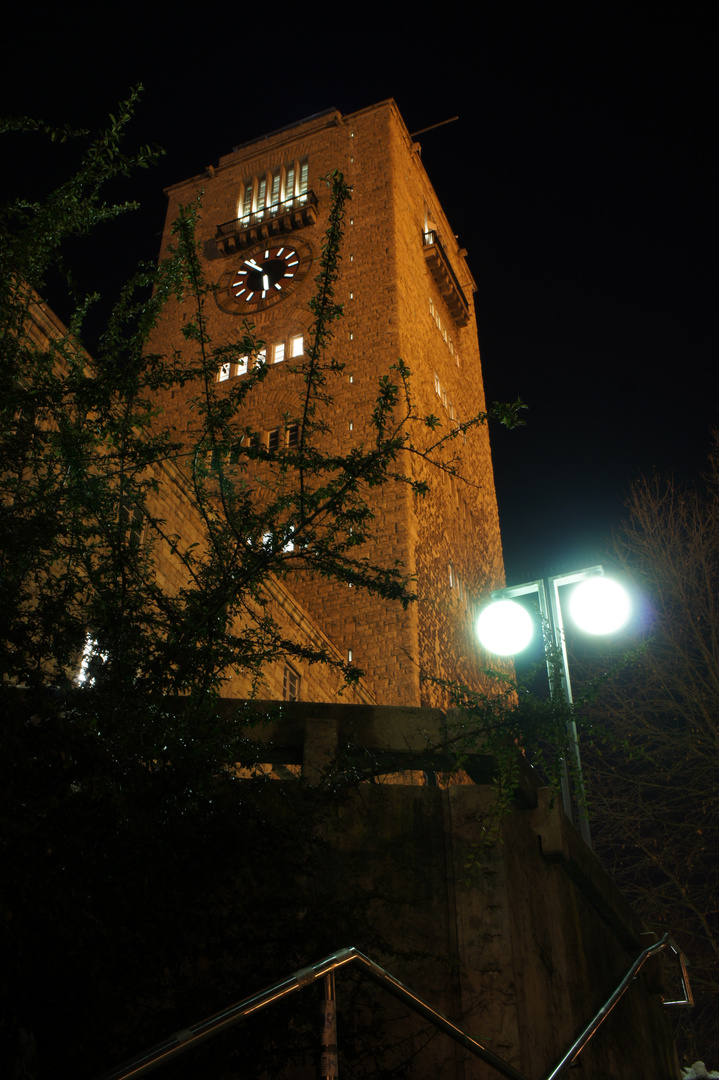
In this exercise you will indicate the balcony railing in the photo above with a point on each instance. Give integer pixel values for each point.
(445, 277)
(282, 217)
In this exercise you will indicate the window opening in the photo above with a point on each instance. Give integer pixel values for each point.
(290, 684)
(275, 191)
(133, 518)
(273, 439)
(89, 652)
(267, 195)
(289, 182)
(278, 352)
(247, 199)
(304, 176)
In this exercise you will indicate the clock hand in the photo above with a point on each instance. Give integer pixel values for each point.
(253, 265)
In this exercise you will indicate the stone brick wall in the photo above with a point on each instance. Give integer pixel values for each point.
(393, 308)
(181, 528)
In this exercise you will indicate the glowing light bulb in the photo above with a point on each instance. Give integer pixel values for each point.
(600, 605)
(504, 627)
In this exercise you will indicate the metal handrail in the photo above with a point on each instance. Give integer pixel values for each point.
(601, 1015)
(183, 1040)
(267, 213)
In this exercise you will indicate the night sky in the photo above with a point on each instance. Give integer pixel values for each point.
(580, 176)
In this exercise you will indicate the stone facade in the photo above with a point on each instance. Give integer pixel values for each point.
(407, 292)
(182, 523)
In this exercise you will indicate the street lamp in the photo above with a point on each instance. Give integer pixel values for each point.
(598, 605)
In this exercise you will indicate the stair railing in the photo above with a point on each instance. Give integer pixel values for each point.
(182, 1040)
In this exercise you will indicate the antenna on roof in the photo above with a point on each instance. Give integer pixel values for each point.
(433, 126)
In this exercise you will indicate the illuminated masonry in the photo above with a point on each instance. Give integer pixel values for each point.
(407, 292)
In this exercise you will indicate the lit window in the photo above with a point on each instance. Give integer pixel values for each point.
(289, 193)
(451, 576)
(273, 439)
(290, 684)
(224, 372)
(275, 190)
(261, 193)
(349, 656)
(242, 365)
(261, 357)
(265, 196)
(304, 177)
(278, 352)
(297, 345)
(246, 200)
(89, 653)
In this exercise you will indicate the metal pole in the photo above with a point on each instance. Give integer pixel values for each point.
(329, 1068)
(553, 627)
(559, 640)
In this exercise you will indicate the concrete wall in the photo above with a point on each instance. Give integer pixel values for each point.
(519, 940)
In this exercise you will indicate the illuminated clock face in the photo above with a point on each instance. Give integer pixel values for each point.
(266, 275)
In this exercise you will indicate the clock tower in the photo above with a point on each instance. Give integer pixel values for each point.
(407, 293)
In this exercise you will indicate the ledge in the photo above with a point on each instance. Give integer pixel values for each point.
(287, 217)
(445, 278)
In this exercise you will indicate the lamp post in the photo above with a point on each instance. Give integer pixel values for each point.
(599, 605)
